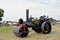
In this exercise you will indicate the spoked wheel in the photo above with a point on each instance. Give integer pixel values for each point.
(37, 28)
(46, 27)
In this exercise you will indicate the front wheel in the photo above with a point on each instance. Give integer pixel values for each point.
(46, 27)
(24, 32)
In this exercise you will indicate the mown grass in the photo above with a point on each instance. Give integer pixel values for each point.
(6, 32)
(6, 29)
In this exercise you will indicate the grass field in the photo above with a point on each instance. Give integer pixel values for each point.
(6, 33)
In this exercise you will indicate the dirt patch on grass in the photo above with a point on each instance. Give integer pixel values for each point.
(54, 35)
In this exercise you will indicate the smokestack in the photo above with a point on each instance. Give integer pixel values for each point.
(27, 15)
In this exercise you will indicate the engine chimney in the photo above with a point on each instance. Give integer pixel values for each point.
(27, 15)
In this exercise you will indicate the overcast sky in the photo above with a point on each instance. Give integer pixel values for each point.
(15, 9)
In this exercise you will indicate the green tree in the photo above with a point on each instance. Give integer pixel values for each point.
(1, 14)
(52, 20)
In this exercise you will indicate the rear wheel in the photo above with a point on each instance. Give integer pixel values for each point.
(46, 27)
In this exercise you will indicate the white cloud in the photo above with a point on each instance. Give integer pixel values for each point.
(14, 9)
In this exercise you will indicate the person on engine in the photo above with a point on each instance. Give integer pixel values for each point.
(20, 21)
